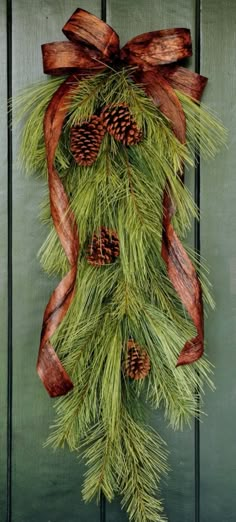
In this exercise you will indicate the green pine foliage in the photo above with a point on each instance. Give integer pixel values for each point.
(30, 107)
(104, 418)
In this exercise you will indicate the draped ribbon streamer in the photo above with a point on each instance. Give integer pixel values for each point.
(91, 47)
(49, 367)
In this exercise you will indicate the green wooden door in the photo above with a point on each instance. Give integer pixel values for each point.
(35, 483)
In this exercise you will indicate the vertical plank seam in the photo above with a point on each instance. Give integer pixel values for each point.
(197, 247)
(102, 508)
(9, 261)
(102, 497)
(104, 10)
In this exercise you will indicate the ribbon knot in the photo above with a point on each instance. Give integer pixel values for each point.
(92, 46)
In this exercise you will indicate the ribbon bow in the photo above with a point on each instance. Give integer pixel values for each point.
(92, 47)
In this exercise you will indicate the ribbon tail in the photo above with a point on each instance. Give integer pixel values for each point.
(181, 271)
(185, 281)
(163, 95)
(49, 367)
(184, 80)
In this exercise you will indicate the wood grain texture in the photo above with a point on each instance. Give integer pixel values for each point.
(218, 243)
(165, 98)
(130, 19)
(91, 41)
(56, 380)
(3, 261)
(158, 47)
(61, 58)
(46, 485)
(184, 80)
(84, 26)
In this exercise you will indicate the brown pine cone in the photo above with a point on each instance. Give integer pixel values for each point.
(104, 248)
(120, 123)
(85, 140)
(137, 364)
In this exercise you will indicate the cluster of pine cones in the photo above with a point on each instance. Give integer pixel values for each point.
(85, 139)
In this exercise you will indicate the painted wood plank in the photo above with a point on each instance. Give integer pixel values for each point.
(3, 262)
(218, 232)
(46, 486)
(129, 19)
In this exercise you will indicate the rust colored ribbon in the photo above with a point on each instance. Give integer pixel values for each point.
(91, 47)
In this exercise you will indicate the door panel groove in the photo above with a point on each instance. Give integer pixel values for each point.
(9, 262)
(103, 508)
(197, 248)
(103, 498)
(104, 10)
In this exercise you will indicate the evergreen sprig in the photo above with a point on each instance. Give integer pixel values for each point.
(104, 417)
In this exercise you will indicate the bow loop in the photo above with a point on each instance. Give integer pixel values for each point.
(92, 41)
(84, 27)
(61, 58)
(158, 47)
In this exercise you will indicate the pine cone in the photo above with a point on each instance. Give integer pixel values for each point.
(85, 140)
(120, 123)
(137, 364)
(104, 248)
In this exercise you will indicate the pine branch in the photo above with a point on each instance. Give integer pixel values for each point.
(144, 456)
(100, 455)
(204, 129)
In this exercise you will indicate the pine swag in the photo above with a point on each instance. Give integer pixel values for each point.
(123, 330)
